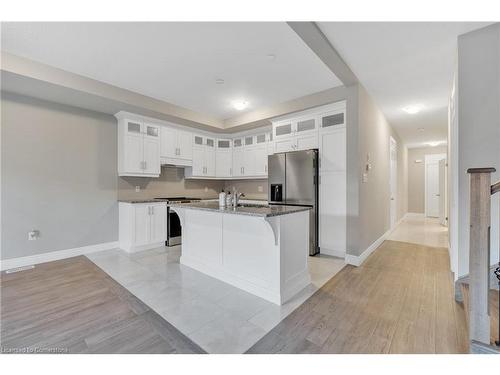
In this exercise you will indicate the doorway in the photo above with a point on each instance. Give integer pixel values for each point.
(435, 192)
(393, 180)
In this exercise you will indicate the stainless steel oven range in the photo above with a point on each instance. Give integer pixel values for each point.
(174, 231)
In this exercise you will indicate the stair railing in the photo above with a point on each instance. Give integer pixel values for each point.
(481, 191)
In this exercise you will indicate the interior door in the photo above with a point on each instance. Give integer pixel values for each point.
(442, 192)
(432, 190)
(393, 182)
(432, 184)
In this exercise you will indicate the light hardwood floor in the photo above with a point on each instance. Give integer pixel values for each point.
(400, 300)
(72, 306)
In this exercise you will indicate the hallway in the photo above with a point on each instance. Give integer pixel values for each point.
(418, 229)
(400, 300)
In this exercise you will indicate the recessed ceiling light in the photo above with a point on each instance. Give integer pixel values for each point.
(433, 144)
(239, 104)
(219, 81)
(271, 57)
(412, 109)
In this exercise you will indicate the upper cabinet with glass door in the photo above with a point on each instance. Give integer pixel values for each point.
(332, 120)
(138, 147)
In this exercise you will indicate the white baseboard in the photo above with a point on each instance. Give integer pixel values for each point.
(333, 253)
(358, 260)
(7, 264)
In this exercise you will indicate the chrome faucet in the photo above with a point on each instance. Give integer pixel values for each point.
(236, 197)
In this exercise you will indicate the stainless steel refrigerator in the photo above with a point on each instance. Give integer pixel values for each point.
(293, 180)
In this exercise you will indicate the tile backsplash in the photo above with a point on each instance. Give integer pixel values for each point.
(253, 189)
(172, 183)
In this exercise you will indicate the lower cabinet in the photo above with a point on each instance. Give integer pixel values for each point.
(142, 226)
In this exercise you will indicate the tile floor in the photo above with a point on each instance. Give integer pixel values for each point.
(421, 230)
(217, 316)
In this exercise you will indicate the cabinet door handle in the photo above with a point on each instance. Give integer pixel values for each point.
(230, 171)
(265, 168)
(152, 210)
(149, 210)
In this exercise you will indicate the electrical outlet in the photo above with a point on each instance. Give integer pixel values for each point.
(365, 177)
(33, 235)
(206, 189)
(260, 189)
(137, 189)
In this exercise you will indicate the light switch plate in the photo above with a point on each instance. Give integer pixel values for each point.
(137, 189)
(260, 189)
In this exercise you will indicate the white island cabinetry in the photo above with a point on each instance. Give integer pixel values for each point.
(263, 251)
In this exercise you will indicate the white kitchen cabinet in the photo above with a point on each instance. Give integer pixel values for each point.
(210, 158)
(332, 190)
(296, 134)
(204, 158)
(224, 158)
(261, 160)
(238, 161)
(142, 226)
(138, 148)
(176, 146)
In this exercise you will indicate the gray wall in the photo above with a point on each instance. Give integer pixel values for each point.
(478, 126)
(374, 195)
(416, 176)
(171, 183)
(58, 176)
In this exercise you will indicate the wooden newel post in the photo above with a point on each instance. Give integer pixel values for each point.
(479, 253)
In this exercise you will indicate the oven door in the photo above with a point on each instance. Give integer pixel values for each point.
(173, 228)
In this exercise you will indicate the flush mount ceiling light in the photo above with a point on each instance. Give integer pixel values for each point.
(420, 129)
(219, 81)
(412, 109)
(239, 104)
(433, 144)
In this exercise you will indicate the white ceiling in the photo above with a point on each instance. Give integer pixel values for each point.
(401, 64)
(179, 62)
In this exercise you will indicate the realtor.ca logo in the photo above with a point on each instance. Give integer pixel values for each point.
(33, 350)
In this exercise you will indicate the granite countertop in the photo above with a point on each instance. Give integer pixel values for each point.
(150, 200)
(249, 210)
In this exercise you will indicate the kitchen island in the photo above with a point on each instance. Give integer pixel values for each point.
(260, 249)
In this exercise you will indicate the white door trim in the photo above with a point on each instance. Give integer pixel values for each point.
(429, 159)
